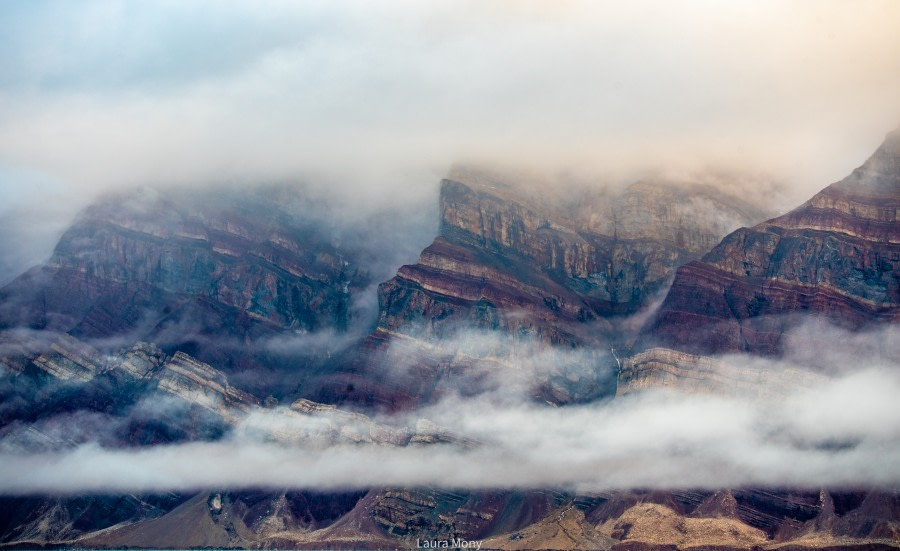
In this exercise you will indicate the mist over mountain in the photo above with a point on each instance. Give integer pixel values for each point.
(586, 275)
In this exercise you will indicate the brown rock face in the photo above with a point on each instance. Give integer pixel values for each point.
(514, 262)
(244, 256)
(207, 273)
(507, 259)
(837, 257)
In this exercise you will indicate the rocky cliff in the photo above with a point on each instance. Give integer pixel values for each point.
(213, 274)
(836, 258)
(528, 267)
(525, 262)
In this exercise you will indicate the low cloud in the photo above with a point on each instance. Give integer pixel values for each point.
(653, 441)
(840, 430)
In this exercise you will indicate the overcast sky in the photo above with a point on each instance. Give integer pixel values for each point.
(376, 99)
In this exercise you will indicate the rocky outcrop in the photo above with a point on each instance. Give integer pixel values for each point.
(209, 273)
(509, 259)
(517, 265)
(142, 395)
(141, 361)
(663, 368)
(71, 359)
(837, 257)
(199, 384)
(435, 514)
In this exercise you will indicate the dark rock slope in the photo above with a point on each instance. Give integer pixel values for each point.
(395, 518)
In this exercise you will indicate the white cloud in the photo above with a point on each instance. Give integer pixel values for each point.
(666, 442)
(382, 97)
(843, 431)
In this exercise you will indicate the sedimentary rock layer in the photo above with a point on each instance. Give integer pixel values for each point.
(836, 259)
(836, 256)
(515, 261)
(214, 274)
(508, 259)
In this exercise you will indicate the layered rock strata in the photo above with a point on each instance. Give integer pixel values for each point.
(506, 259)
(214, 274)
(515, 265)
(664, 368)
(836, 258)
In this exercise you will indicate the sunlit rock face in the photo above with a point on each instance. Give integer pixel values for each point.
(835, 259)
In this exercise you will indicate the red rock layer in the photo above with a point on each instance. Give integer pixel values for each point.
(506, 259)
(519, 263)
(836, 257)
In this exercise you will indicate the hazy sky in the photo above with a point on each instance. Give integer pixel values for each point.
(376, 99)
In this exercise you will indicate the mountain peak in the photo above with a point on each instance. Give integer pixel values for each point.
(879, 177)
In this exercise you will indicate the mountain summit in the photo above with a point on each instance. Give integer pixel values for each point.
(836, 256)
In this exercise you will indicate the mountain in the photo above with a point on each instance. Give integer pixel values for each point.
(519, 266)
(397, 518)
(213, 274)
(505, 249)
(177, 317)
(836, 259)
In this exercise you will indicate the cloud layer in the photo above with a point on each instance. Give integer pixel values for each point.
(117, 93)
(842, 431)
(705, 442)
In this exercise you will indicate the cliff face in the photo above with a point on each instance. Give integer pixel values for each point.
(207, 273)
(508, 259)
(836, 257)
(516, 263)
(277, 270)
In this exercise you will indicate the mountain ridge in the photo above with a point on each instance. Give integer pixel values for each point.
(521, 269)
